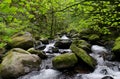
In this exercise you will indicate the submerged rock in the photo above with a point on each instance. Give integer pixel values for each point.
(83, 56)
(107, 77)
(18, 62)
(63, 43)
(66, 60)
(37, 52)
(21, 40)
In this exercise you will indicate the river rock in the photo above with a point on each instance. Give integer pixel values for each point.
(63, 43)
(66, 60)
(39, 45)
(116, 49)
(82, 44)
(107, 77)
(37, 52)
(83, 56)
(44, 40)
(21, 40)
(18, 62)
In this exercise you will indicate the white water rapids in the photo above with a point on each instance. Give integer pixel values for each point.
(104, 67)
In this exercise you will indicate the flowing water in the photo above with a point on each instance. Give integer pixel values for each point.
(104, 67)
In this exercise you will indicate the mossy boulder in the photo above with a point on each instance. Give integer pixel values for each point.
(21, 40)
(66, 60)
(82, 44)
(18, 62)
(37, 52)
(116, 48)
(83, 56)
(63, 43)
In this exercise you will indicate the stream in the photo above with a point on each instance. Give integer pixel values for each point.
(104, 69)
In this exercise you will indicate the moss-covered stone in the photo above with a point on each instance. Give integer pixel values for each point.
(21, 40)
(82, 44)
(116, 48)
(37, 52)
(18, 62)
(82, 55)
(64, 61)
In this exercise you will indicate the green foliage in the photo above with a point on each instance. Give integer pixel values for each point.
(44, 18)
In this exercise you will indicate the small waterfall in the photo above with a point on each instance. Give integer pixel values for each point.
(104, 67)
(50, 45)
(46, 74)
(64, 37)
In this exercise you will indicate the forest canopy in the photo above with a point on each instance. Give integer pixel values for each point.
(45, 18)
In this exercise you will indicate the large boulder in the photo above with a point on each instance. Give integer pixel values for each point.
(18, 62)
(83, 56)
(66, 60)
(21, 40)
(82, 44)
(116, 48)
(63, 43)
(40, 53)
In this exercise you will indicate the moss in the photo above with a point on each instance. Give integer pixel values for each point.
(38, 52)
(82, 44)
(116, 47)
(20, 40)
(83, 55)
(64, 61)
(93, 37)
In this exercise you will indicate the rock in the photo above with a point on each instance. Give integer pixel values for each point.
(82, 44)
(21, 40)
(63, 43)
(18, 62)
(39, 45)
(44, 40)
(83, 56)
(37, 52)
(66, 60)
(107, 77)
(116, 49)
(55, 49)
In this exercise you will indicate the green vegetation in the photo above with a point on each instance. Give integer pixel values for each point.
(45, 18)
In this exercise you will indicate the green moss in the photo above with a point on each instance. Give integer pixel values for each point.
(93, 37)
(64, 61)
(83, 55)
(116, 47)
(82, 44)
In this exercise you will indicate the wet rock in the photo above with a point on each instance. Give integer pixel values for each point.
(82, 44)
(66, 60)
(107, 77)
(83, 56)
(104, 71)
(39, 45)
(55, 49)
(18, 62)
(116, 49)
(63, 43)
(44, 40)
(37, 52)
(21, 40)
